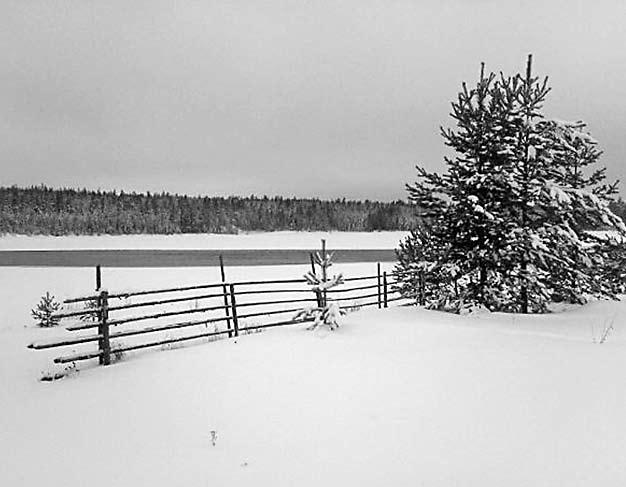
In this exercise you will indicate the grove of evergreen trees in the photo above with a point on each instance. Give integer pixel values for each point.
(506, 225)
(42, 210)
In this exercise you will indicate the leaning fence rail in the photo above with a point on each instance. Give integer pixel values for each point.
(108, 319)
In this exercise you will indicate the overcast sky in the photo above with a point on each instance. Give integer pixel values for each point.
(299, 98)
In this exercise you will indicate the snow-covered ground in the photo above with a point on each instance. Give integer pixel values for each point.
(399, 397)
(260, 240)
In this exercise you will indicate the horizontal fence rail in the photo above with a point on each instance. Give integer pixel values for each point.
(226, 310)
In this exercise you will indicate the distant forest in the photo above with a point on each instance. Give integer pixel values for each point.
(619, 208)
(41, 210)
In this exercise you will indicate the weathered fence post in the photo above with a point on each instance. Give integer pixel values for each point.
(385, 287)
(324, 274)
(98, 278)
(422, 289)
(318, 295)
(225, 292)
(379, 294)
(233, 304)
(103, 329)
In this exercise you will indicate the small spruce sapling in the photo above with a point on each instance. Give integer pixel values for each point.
(327, 313)
(45, 310)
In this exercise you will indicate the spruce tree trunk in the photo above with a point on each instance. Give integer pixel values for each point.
(483, 283)
(524, 289)
(525, 198)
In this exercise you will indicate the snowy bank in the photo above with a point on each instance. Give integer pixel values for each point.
(253, 240)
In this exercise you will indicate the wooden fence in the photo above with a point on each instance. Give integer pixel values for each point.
(102, 316)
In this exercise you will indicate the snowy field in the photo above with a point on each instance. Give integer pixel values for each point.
(399, 397)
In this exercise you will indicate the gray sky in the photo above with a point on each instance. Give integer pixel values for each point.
(299, 98)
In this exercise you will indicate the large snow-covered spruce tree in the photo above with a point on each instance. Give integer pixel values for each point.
(464, 205)
(507, 221)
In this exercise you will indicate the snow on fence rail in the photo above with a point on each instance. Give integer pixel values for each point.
(230, 305)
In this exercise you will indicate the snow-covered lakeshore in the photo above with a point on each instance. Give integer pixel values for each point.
(401, 396)
(260, 240)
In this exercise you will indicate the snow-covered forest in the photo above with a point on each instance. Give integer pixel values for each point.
(41, 210)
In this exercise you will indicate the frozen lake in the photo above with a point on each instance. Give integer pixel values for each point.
(194, 250)
(180, 258)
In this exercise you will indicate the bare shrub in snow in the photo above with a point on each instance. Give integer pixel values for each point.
(67, 371)
(92, 306)
(607, 329)
(117, 352)
(247, 327)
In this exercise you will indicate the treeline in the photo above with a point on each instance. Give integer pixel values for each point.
(47, 211)
(619, 208)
